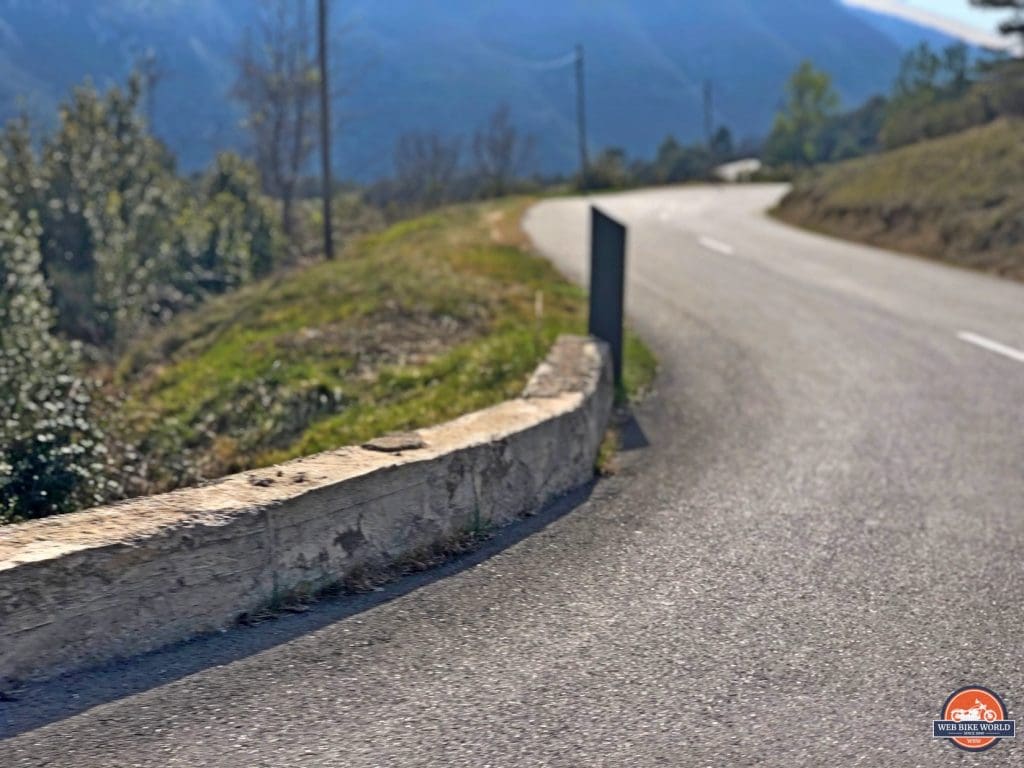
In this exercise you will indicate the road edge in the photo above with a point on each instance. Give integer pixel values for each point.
(81, 589)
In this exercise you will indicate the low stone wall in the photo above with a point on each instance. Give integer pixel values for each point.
(115, 581)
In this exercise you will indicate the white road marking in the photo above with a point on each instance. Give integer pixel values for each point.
(991, 346)
(717, 246)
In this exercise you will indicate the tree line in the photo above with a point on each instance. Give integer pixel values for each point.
(935, 93)
(674, 162)
(431, 169)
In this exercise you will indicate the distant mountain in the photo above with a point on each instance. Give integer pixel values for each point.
(49, 46)
(445, 65)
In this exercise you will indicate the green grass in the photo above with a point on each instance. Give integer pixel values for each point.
(959, 199)
(412, 326)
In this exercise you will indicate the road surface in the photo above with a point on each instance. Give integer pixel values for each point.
(817, 537)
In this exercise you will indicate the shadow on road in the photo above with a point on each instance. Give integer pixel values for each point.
(631, 434)
(39, 704)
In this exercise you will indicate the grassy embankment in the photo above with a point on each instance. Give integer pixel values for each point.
(425, 321)
(957, 199)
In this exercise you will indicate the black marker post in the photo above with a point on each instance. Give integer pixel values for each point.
(608, 284)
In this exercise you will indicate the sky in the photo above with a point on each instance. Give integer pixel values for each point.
(962, 10)
(955, 16)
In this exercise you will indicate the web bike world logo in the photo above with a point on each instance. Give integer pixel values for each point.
(974, 719)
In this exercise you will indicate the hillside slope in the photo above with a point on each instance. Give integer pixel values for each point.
(410, 65)
(958, 199)
(426, 321)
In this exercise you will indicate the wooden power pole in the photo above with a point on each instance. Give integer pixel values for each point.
(325, 128)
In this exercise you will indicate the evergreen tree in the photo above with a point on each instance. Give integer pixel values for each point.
(111, 198)
(53, 458)
(126, 242)
(811, 102)
(226, 236)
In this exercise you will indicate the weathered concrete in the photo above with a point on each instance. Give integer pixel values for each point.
(119, 580)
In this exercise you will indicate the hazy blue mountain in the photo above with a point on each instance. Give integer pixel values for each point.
(446, 64)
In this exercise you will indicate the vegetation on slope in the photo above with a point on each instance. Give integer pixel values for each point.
(425, 321)
(959, 199)
(101, 240)
(158, 329)
(936, 93)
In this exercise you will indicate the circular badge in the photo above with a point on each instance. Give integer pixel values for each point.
(974, 704)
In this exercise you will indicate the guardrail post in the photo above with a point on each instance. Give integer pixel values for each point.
(608, 283)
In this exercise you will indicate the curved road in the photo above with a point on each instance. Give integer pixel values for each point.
(823, 539)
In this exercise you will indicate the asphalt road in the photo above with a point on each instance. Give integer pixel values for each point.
(823, 538)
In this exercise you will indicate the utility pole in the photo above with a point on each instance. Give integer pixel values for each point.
(709, 112)
(325, 128)
(581, 120)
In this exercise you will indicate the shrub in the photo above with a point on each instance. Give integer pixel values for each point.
(53, 457)
(100, 239)
(126, 243)
(226, 236)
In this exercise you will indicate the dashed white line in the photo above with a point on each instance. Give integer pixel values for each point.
(717, 246)
(991, 346)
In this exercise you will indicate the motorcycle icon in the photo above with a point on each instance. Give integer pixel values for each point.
(979, 711)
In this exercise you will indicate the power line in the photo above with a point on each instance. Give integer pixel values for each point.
(576, 59)
(560, 62)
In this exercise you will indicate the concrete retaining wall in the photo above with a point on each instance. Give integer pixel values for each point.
(115, 581)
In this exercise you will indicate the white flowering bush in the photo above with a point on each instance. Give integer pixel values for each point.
(101, 240)
(53, 457)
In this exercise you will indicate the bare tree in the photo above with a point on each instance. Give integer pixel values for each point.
(426, 165)
(501, 152)
(278, 84)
